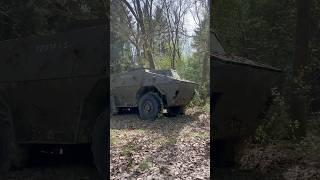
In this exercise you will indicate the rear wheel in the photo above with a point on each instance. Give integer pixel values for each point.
(12, 155)
(6, 138)
(149, 106)
(98, 146)
(5, 161)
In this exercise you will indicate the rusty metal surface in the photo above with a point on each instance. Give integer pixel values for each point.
(125, 87)
(48, 80)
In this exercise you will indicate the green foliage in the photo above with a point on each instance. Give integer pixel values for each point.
(261, 30)
(145, 164)
(277, 124)
(188, 68)
(265, 31)
(163, 62)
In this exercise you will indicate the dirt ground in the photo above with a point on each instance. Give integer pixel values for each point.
(287, 159)
(168, 148)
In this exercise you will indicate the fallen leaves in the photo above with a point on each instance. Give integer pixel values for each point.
(168, 148)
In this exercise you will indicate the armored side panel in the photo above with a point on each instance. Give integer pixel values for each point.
(47, 81)
(124, 87)
(127, 87)
(241, 89)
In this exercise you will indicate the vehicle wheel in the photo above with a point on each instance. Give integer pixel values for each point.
(6, 139)
(149, 106)
(114, 109)
(11, 155)
(98, 146)
(174, 111)
(22, 156)
(5, 161)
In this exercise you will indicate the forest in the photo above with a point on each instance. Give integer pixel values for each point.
(162, 34)
(151, 33)
(155, 35)
(284, 34)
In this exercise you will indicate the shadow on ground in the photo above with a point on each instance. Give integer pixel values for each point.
(45, 166)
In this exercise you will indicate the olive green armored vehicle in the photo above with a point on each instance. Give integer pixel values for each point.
(54, 95)
(151, 91)
(241, 95)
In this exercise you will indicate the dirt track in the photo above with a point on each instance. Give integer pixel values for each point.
(168, 148)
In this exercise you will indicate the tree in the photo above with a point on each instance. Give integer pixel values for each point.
(299, 98)
(175, 11)
(201, 42)
(143, 17)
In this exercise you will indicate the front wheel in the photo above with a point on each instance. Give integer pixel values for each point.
(99, 145)
(149, 106)
(5, 160)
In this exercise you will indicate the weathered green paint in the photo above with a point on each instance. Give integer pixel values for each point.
(126, 88)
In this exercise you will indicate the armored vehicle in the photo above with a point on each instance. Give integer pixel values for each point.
(151, 91)
(53, 92)
(241, 95)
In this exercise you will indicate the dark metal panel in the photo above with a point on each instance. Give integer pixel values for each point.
(49, 111)
(243, 93)
(73, 53)
(47, 79)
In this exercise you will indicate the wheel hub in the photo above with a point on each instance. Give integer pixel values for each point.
(147, 106)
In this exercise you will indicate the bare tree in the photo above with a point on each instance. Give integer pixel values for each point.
(200, 15)
(299, 101)
(143, 16)
(175, 13)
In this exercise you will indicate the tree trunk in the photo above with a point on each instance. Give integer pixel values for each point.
(299, 100)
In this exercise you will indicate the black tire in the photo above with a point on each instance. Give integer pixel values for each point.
(22, 156)
(99, 145)
(5, 161)
(5, 138)
(175, 111)
(149, 106)
(12, 155)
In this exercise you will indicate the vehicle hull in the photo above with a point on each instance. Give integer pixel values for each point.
(240, 94)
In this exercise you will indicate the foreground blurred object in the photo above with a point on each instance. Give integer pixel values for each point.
(241, 93)
(53, 91)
